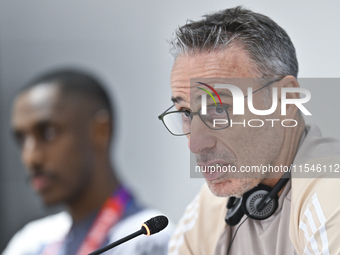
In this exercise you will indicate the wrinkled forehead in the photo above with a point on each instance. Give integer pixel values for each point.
(223, 90)
(217, 88)
(233, 63)
(218, 83)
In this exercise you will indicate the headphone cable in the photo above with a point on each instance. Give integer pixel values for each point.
(232, 239)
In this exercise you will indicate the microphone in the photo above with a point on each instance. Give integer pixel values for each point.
(280, 184)
(150, 227)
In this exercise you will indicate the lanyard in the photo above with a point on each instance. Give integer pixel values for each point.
(109, 215)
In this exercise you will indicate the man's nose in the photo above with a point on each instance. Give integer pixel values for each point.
(200, 137)
(32, 153)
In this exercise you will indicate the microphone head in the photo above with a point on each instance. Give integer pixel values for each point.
(154, 225)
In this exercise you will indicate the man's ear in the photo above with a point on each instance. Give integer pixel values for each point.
(102, 129)
(288, 83)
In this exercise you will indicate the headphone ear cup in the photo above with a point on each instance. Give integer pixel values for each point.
(253, 197)
(235, 212)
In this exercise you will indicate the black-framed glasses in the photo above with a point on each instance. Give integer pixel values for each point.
(178, 123)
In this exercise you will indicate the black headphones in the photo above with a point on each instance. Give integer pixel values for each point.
(258, 203)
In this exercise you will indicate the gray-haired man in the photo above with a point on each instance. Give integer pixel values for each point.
(248, 50)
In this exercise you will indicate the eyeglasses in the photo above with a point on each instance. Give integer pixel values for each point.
(178, 123)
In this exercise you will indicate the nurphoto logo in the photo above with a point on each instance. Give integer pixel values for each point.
(238, 105)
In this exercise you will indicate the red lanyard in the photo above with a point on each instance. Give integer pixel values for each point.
(109, 215)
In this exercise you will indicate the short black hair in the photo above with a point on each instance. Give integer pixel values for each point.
(75, 82)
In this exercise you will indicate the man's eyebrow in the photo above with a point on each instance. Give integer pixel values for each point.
(177, 99)
(38, 125)
(16, 133)
(43, 123)
(221, 94)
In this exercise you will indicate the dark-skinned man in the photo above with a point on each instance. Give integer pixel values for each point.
(63, 122)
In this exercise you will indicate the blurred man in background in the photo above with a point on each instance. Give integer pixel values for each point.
(63, 122)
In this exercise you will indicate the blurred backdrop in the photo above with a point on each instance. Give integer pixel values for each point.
(124, 43)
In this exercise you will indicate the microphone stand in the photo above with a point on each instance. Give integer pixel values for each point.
(118, 242)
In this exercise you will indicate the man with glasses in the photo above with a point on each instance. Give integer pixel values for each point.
(266, 211)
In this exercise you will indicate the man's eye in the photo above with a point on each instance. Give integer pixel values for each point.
(19, 138)
(216, 110)
(186, 114)
(219, 110)
(49, 134)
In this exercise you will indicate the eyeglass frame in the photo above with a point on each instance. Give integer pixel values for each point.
(225, 107)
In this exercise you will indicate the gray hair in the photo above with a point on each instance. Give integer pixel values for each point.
(268, 45)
